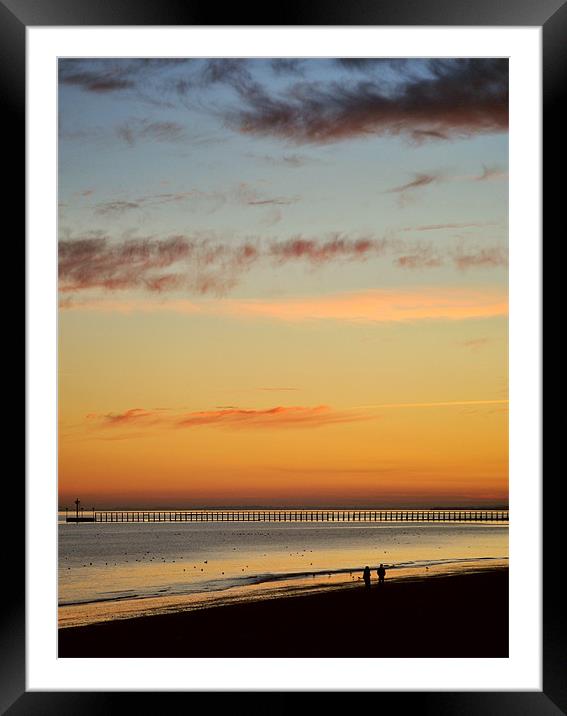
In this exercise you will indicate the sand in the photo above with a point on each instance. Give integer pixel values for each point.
(463, 615)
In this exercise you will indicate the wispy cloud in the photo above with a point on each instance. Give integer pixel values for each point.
(117, 207)
(278, 417)
(91, 263)
(128, 417)
(230, 417)
(136, 130)
(421, 256)
(105, 208)
(243, 194)
(278, 389)
(133, 423)
(202, 265)
(276, 201)
(421, 180)
(489, 173)
(481, 258)
(418, 182)
(449, 226)
(318, 251)
(475, 343)
(246, 194)
(436, 404)
(294, 161)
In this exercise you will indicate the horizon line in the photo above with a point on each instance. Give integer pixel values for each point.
(271, 508)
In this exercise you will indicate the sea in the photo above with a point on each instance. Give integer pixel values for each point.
(119, 570)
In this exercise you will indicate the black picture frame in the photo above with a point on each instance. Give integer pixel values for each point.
(15, 17)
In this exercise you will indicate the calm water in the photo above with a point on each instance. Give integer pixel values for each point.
(109, 571)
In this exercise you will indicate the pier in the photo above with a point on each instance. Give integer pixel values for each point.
(286, 515)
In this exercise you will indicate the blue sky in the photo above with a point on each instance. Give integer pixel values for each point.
(154, 150)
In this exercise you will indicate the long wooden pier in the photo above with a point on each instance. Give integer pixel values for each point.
(456, 515)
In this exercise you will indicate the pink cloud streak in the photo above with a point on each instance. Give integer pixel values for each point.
(229, 417)
(375, 305)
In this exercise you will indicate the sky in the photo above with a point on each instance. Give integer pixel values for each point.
(283, 282)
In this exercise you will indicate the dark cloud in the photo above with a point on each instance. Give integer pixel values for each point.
(114, 75)
(225, 71)
(423, 100)
(369, 64)
(230, 72)
(97, 82)
(356, 63)
(454, 98)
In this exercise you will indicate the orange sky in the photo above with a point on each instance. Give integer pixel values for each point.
(283, 283)
(168, 409)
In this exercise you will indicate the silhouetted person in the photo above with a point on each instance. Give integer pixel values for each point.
(366, 577)
(381, 572)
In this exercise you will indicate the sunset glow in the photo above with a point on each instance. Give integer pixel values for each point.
(283, 284)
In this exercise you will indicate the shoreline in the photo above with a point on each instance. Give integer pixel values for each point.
(253, 589)
(457, 615)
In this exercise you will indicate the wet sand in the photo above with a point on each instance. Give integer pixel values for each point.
(463, 615)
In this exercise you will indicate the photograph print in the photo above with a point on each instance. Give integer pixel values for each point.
(283, 357)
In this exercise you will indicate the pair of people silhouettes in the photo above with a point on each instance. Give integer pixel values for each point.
(381, 572)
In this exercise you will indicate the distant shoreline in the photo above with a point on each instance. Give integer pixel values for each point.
(462, 615)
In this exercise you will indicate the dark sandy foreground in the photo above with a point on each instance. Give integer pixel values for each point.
(451, 616)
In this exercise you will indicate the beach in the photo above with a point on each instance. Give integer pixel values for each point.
(452, 616)
(113, 571)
